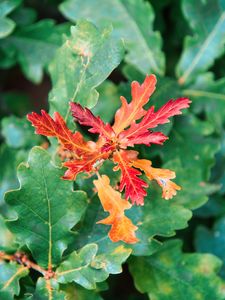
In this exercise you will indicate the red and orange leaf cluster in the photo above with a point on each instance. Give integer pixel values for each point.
(133, 125)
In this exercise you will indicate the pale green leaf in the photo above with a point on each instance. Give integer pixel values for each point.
(207, 20)
(48, 289)
(132, 21)
(10, 274)
(78, 268)
(18, 133)
(84, 61)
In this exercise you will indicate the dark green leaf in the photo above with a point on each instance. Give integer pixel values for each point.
(170, 274)
(47, 208)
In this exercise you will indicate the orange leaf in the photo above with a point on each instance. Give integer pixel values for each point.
(162, 176)
(122, 227)
(48, 126)
(133, 111)
(152, 119)
(134, 186)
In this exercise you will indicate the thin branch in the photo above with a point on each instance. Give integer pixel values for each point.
(22, 259)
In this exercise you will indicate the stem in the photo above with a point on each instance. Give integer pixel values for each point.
(22, 259)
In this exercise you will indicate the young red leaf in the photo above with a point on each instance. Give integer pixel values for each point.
(47, 126)
(147, 138)
(134, 186)
(153, 119)
(130, 112)
(162, 176)
(122, 227)
(85, 117)
(87, 164)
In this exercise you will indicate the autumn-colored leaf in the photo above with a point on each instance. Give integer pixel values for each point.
(57, 127)
(134, 186)
(130, 112)
(85, 117)
(122, 227)
(162, 176)
(87, 164)
(153, 119)
(146, 138)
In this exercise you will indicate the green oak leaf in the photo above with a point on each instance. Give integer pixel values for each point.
(48, 289)
(132, 21)
(78, 268)
(18, 133)
(190, 152)
(170, 274)
(83, 62)
(9, 160)
(207, 20)
(34, 46)
(47, 208)
(212, 241)
(208, 96)
(10, 274)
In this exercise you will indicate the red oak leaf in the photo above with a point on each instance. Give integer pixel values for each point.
(130, 112)
(88, 163)
(147, 139)
(85, 117)
(134, 186)
(122, 227)
(162, 176)
(57, 127)
(153, 119)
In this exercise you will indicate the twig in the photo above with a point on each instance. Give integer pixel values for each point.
(22, 259)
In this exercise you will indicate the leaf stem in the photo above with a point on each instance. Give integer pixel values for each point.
(22, 259)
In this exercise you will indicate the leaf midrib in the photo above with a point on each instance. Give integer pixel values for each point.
(204, 46)
(139, 33)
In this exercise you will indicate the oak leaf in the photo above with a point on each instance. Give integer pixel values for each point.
(122, 228)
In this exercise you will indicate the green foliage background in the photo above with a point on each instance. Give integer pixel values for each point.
(181, 253)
